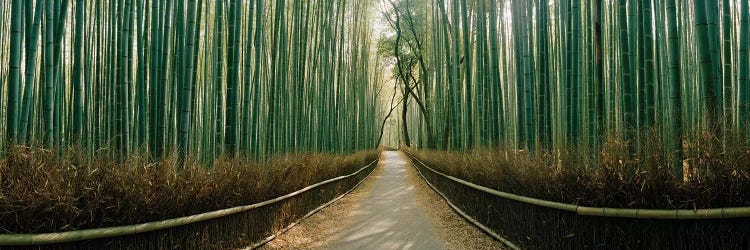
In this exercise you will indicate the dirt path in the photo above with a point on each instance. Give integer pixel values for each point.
(456, 232)
(393, 209)
(321, 229)
(390, 217)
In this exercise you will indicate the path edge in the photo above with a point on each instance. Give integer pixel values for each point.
(311, 213)
(473, 221)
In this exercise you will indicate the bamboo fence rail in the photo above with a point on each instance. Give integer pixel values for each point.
(679, 214)
(96, 233)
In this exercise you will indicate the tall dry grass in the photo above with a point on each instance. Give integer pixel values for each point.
(40, 192)
(715, 176)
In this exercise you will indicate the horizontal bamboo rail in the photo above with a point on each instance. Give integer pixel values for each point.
(674, 214)
(481, 226)
(314, 211)
(96, 233)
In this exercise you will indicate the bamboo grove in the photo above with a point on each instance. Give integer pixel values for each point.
(200, 77)
(556, 73)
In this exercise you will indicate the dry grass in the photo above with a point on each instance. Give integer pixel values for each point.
(455, 231)
(42, 193)
(715, 177)
(320, 230)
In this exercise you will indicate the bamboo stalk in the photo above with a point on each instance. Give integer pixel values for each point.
(14, 83)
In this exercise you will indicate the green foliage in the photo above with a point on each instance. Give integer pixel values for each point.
(551, 74)
(203, 78)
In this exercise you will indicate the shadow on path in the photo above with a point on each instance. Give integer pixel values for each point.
(389, 217)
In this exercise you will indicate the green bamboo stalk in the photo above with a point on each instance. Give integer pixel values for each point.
(726, 70)
(218, 76)
(675, 130)
(494, 65)
(173, 85)
(529, 111)
(61, 10)
(704, 54)
(467, 80)
(49, 90)
(196, 52)
(78, 96)
(166, 47)
(576, 66)
(140, 80)
(744, 65)
(14, 82)
(157, 10)
(186, 90)
(649, 65)
(30, 71)
(628, 81)
(247, 106)
(519, 44)
(232, 79)
(208, 99)
(543, 103)
(123, 94)
(482, 76)
(273, 116)
(455, 117)
(178, 98)
(258, 48)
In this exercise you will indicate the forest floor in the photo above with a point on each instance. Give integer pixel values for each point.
(392, 209)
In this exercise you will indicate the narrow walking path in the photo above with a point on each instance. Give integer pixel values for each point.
(390, 217)
(393, 209)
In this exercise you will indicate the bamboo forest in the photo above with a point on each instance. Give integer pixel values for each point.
(375, 124)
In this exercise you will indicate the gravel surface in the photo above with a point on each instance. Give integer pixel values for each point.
(456, 232)
(393, 209)
(390, 218)
(320, 229)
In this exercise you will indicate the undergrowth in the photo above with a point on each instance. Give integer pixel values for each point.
(614, 176)
(42, 192)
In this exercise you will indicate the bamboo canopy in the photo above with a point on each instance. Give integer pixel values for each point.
(557, 73)
(202, 78)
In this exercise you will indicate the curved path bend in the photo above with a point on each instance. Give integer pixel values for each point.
(393, 209)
